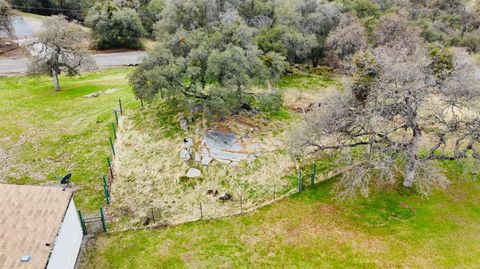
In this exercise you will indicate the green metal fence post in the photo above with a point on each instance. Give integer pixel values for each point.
(105, 190)
(314, 170)
(114, 131)
(120, 104)
(109, 163)
(111, 145)
(102, 217)
(300, 180)
(82, 223)
(105, 184)
(116, 115)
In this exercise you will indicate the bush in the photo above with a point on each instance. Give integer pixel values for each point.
(471, 41)
(270, 102)
(363, 8)
(223, 102)
(428, 32)
(270, 40)
(114, 27)
(348, 38)
(442, 61)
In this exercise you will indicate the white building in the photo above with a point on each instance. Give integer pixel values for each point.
(39, 228)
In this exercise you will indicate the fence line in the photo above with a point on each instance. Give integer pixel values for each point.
(108, 177)
(242, 211)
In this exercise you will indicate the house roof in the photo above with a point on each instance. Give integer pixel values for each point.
(30, 219)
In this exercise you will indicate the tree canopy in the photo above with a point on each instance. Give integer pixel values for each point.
(6, 18)
(212, 68)
(115, 25)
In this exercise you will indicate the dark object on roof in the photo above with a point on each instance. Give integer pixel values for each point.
(66, 179)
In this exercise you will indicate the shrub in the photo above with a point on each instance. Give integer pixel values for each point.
(270, 102)
(114, 27)
(471, 41)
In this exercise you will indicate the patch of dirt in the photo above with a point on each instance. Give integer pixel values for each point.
(301, 100)
(9, 49)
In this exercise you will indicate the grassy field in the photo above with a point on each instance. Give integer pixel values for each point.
(45, 134)
(313, 230)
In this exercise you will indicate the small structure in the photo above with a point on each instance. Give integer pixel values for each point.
(39, 227)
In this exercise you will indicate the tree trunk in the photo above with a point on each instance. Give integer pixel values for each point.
(55, 80)
(410, 170)
(411, 162)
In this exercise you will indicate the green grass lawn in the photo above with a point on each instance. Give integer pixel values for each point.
(313, 230)
(45, 134)
(306, 82)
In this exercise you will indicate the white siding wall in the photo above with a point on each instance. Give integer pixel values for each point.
(68, 241)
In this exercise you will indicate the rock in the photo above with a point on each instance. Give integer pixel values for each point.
(187, 143)
(251, 157)
(225, 196)
(206, 160)
(209, 191)
(223, 161)
(193, 172)
(255, 146)
(110, 91)
(226, 147)
(227, 157)
(197, 157)
(234, 164)
(185, 154)
(223, 146)
(97, 93)
(93, 94)
(183, 124)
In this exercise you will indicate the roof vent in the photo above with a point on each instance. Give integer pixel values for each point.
(25, 258)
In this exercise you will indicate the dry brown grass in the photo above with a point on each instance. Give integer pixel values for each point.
(149, 175)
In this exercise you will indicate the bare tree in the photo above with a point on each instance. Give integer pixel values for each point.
(405, 119)
(6, 18)
(348, 38)
(61, 47)
(393, 30)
